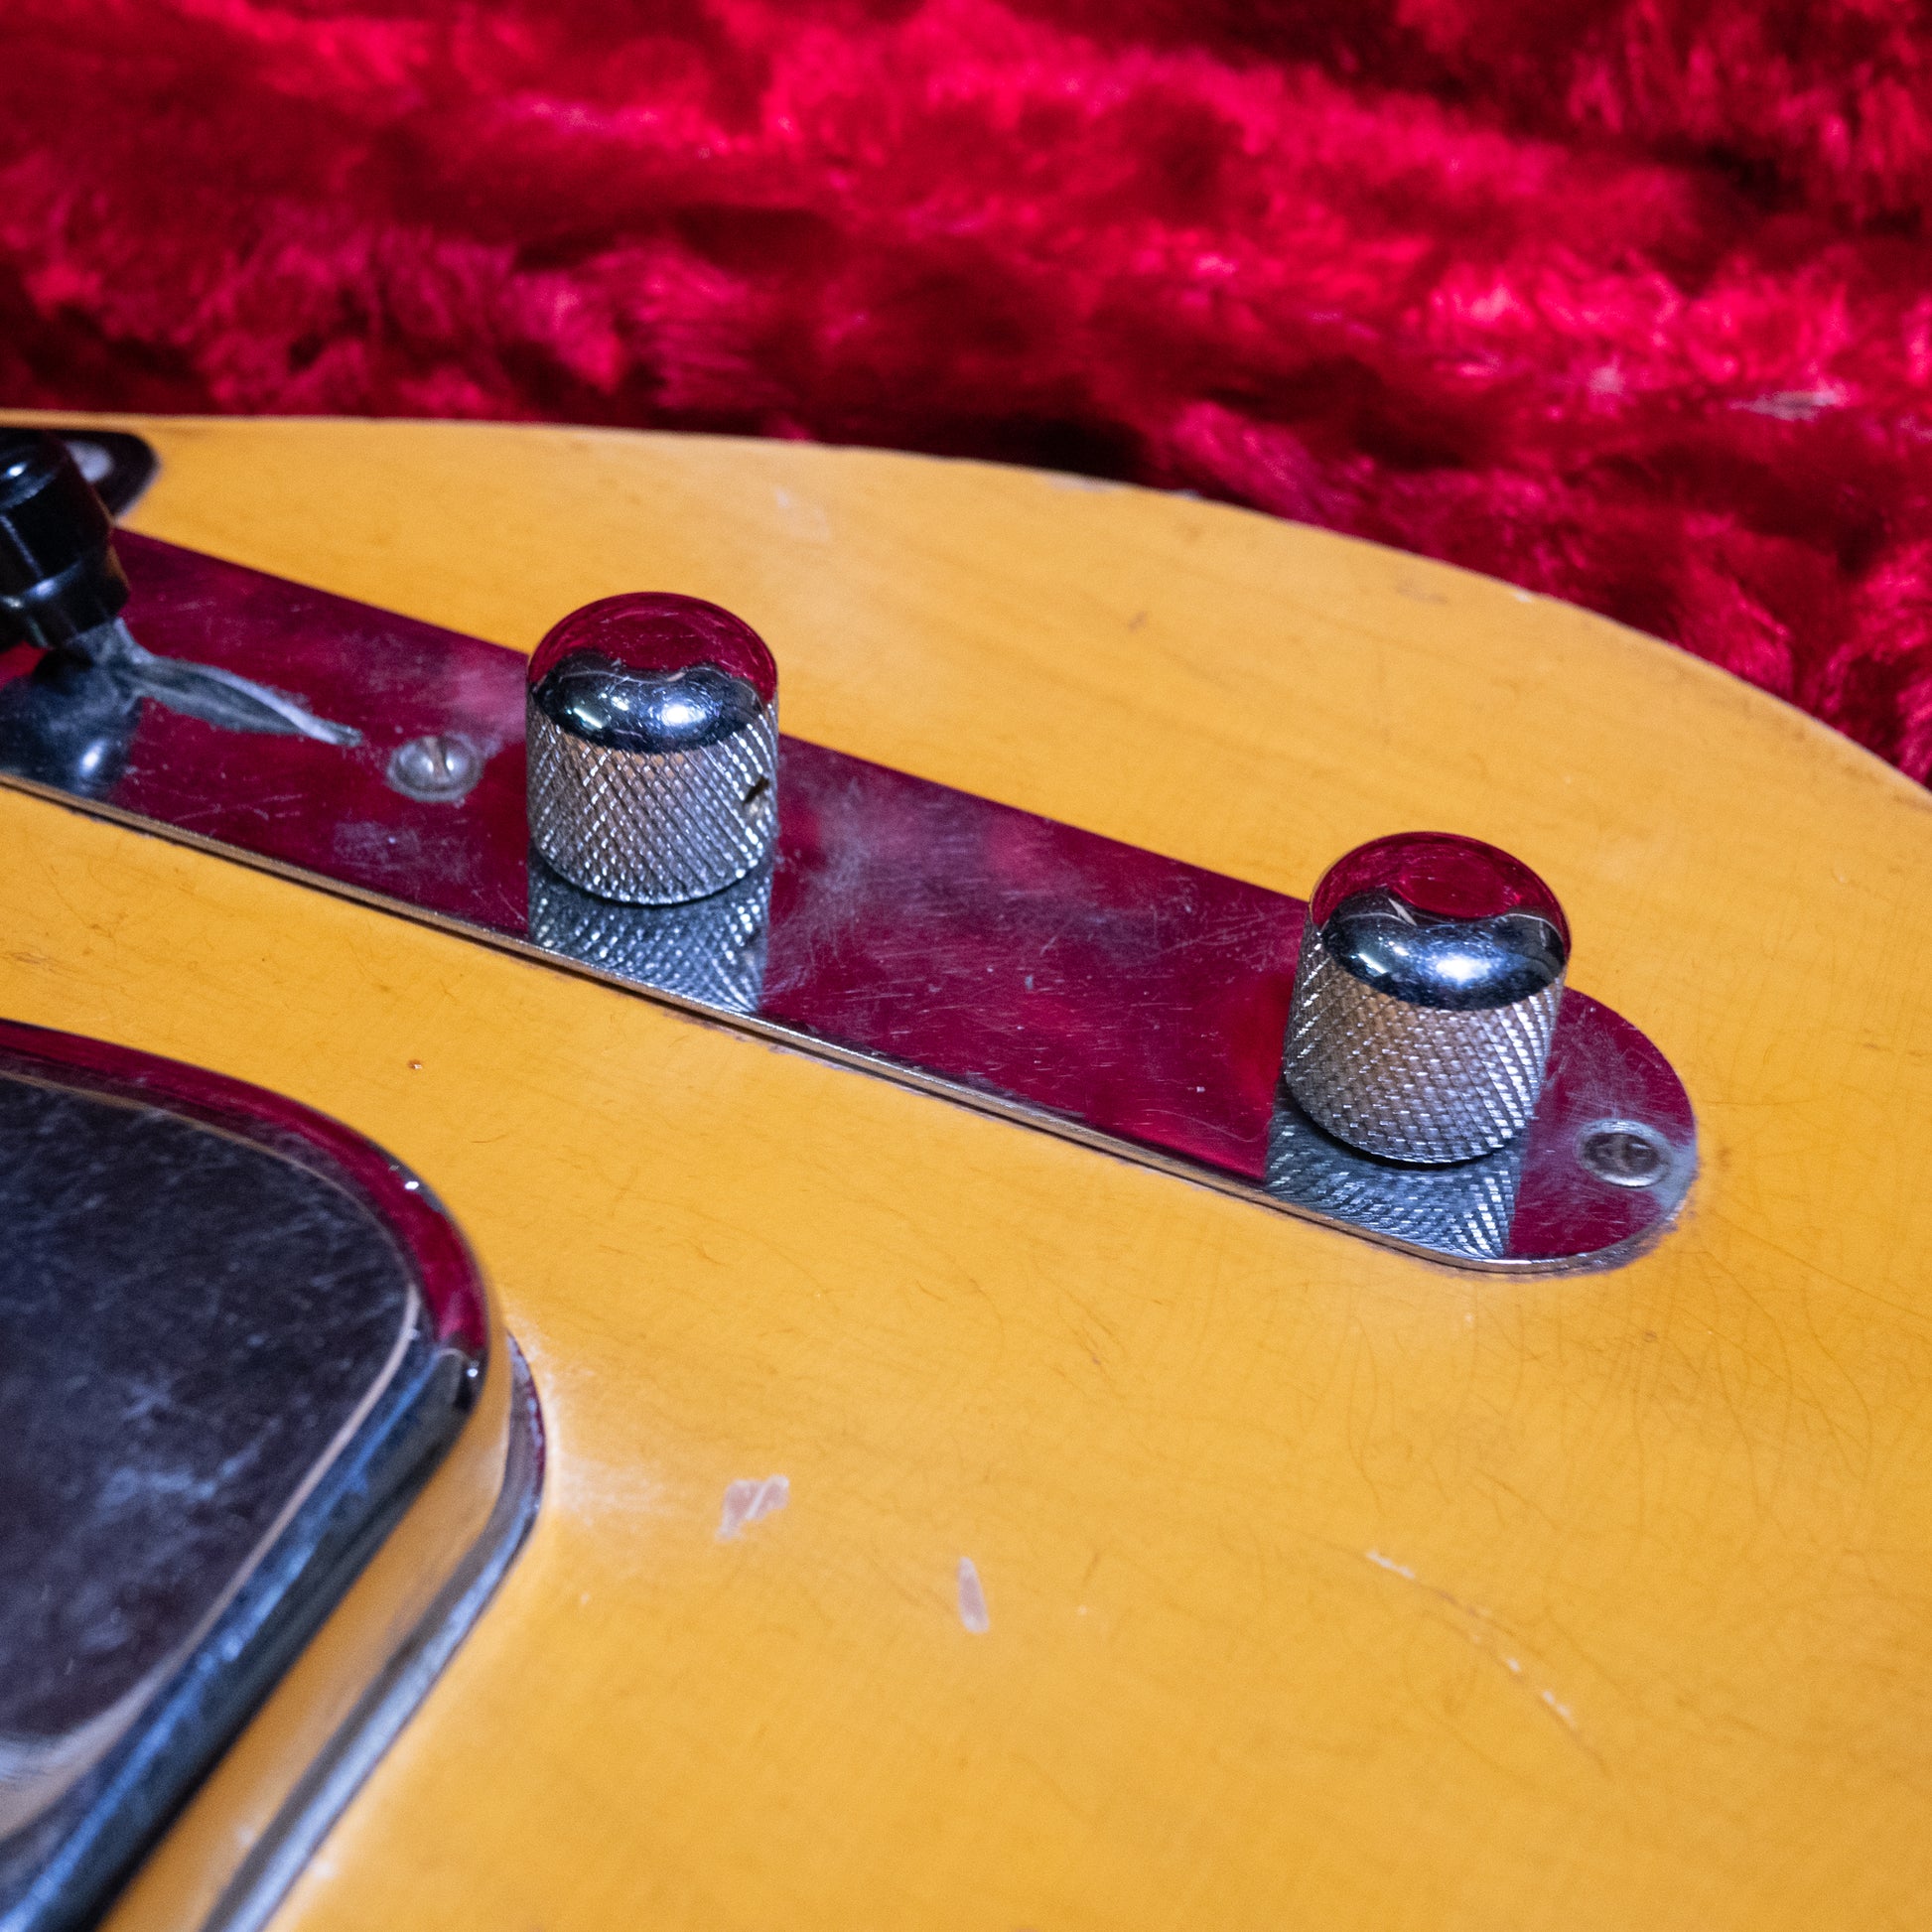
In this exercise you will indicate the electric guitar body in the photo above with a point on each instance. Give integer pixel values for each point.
(1143, 1557)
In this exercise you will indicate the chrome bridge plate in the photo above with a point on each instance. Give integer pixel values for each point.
(1020, 966)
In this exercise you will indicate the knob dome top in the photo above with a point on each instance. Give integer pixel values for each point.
(1439, 875)
(653, 634)
(1442, 921)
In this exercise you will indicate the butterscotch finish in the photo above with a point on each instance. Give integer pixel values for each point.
(1307, 1585)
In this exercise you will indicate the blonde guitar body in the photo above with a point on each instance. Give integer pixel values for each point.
(1309, 1583)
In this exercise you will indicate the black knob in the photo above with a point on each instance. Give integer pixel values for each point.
(58, 575)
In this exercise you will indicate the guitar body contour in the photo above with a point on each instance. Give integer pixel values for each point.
(1309, 1583)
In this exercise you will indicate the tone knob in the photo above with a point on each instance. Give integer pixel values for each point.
(1431, 972)
(652, 727)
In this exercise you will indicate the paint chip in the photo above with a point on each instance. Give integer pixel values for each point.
(749, 1498)
(972, 1599)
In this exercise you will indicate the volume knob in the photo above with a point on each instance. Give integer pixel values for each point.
(1426, 998)
(652, 725)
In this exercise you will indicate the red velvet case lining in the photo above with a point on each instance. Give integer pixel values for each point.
(1628, 303)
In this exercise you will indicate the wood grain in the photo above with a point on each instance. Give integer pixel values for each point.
(1321, 1587)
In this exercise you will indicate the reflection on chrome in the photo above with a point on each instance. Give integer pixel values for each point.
(1464, 1210)
(711, 950)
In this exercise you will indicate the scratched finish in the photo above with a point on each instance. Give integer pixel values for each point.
(1324, 1587)
(1074, 981)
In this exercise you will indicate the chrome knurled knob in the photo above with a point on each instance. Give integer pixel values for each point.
(1426, 998)
(652, 725)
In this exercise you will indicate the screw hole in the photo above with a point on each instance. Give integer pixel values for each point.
(1624, 1152)
(439, 767)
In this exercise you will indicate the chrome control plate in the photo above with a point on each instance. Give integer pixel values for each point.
(1020, 966)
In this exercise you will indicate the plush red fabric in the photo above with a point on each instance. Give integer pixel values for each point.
(1628, 300)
